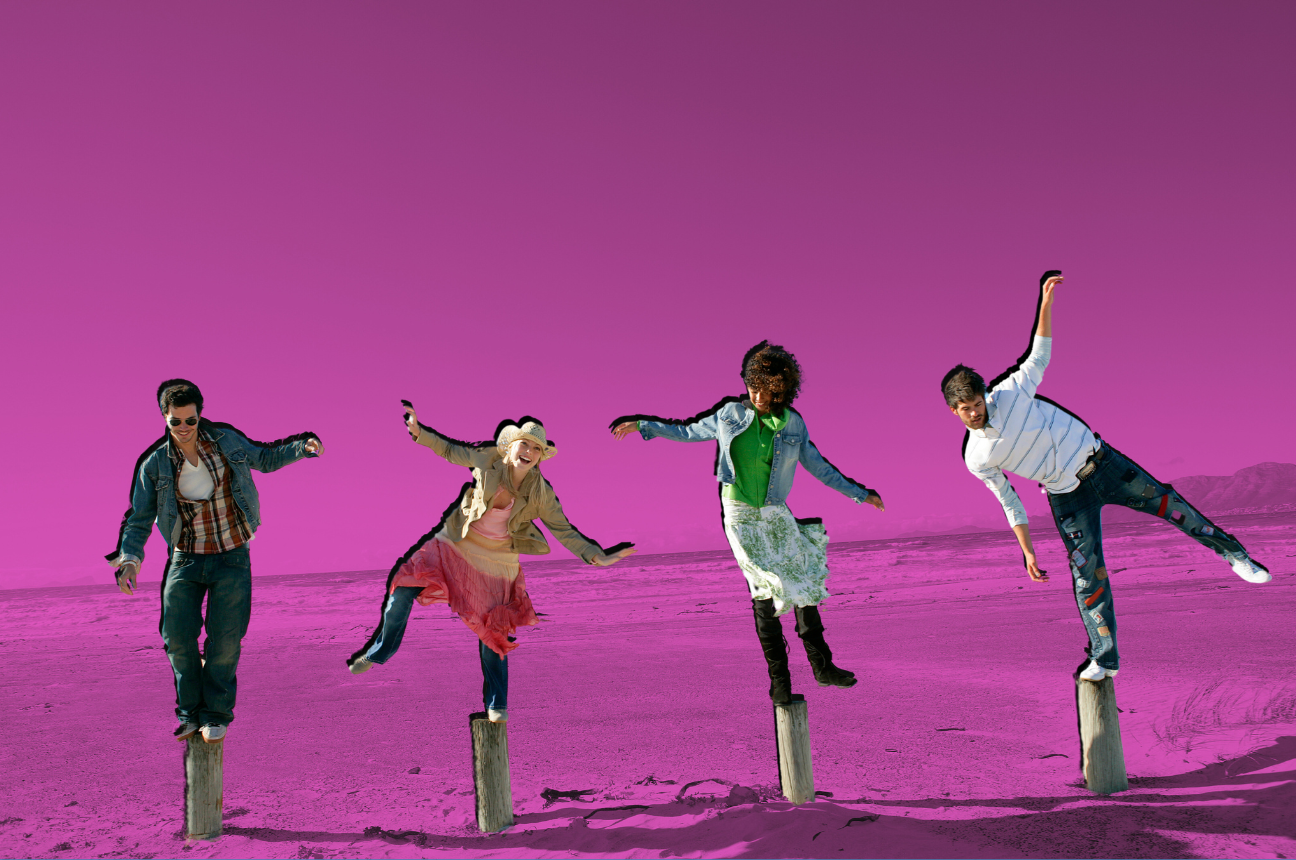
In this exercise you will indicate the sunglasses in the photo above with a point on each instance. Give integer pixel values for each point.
(176, 422)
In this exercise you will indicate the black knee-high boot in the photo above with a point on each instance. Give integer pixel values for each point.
(770, 632)
(810, 628)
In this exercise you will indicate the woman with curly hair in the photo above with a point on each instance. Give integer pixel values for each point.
(471, 560)
(760, 441)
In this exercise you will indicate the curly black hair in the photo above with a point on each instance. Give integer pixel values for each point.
(771, 368)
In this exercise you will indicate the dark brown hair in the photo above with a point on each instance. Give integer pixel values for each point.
(962, 383)
(178, 392)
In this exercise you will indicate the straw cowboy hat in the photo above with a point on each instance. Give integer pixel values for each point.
(530, 430)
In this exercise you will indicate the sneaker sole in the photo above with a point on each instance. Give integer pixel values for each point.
(185, 737)
(1108, 674)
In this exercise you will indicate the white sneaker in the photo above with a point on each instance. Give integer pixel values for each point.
(500, 716)
(1244, 567)
(213, 734)
(184, 731)
(360, 665)
(1094, 672)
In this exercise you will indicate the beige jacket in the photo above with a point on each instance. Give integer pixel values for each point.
(535, 500)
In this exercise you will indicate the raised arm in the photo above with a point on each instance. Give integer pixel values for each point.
(1044, 327)
(1028, 372)
(456, 452)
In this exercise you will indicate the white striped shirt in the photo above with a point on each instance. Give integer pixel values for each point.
(1028, 437)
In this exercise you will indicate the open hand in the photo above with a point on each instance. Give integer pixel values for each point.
(875, 500)
(411, 420)
(126, 577)
(624, 429)
(603, 560)
(314, 446)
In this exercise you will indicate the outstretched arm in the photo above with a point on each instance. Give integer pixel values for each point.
(271, 456)
(551, 514)
(703, 428)
(456, 452)
(830, 476)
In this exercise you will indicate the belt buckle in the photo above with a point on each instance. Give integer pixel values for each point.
(1086, 470)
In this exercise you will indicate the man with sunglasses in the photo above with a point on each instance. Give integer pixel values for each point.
(196, 483)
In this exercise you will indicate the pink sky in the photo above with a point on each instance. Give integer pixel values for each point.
(579, 211)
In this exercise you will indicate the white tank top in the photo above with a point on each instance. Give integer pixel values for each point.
(195, 482)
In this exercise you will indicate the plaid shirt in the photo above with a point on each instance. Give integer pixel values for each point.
(210, 525)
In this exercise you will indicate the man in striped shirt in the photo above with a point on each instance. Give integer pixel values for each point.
(1011, 428)
(196, 484)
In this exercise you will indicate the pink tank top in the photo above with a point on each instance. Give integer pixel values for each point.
(494, 523)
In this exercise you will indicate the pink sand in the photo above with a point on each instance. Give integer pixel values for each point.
(643, 686)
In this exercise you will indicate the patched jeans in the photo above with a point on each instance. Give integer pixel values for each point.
(1118, 481)
(396, 613)
(205, 680)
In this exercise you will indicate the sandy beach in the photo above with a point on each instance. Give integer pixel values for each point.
(640, 726)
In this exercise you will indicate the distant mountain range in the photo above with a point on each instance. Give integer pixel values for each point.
(1255, 489)
(1262, 488)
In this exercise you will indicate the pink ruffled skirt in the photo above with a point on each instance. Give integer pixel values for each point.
(479, 578)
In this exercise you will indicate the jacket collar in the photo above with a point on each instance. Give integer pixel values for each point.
(750, 411)
(206, 430)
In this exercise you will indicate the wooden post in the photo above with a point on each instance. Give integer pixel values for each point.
(792, 734)
(204, 788)
(491, 785)
(1102, 756)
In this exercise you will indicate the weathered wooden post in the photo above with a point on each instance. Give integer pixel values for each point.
(204, 788)
(491, 786)
(1102, 757)
(792, 734)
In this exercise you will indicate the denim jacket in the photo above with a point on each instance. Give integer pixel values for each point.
(792, 445)
(153, 492)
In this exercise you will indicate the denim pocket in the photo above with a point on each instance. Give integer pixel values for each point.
(239, 558)
(180, 563)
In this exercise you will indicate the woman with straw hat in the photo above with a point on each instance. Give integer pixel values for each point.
(470, 561)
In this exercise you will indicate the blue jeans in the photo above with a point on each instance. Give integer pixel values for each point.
(396, 612)
(205, 693)
(1118, 481)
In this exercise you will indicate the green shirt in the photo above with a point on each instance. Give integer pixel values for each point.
(752, 452)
